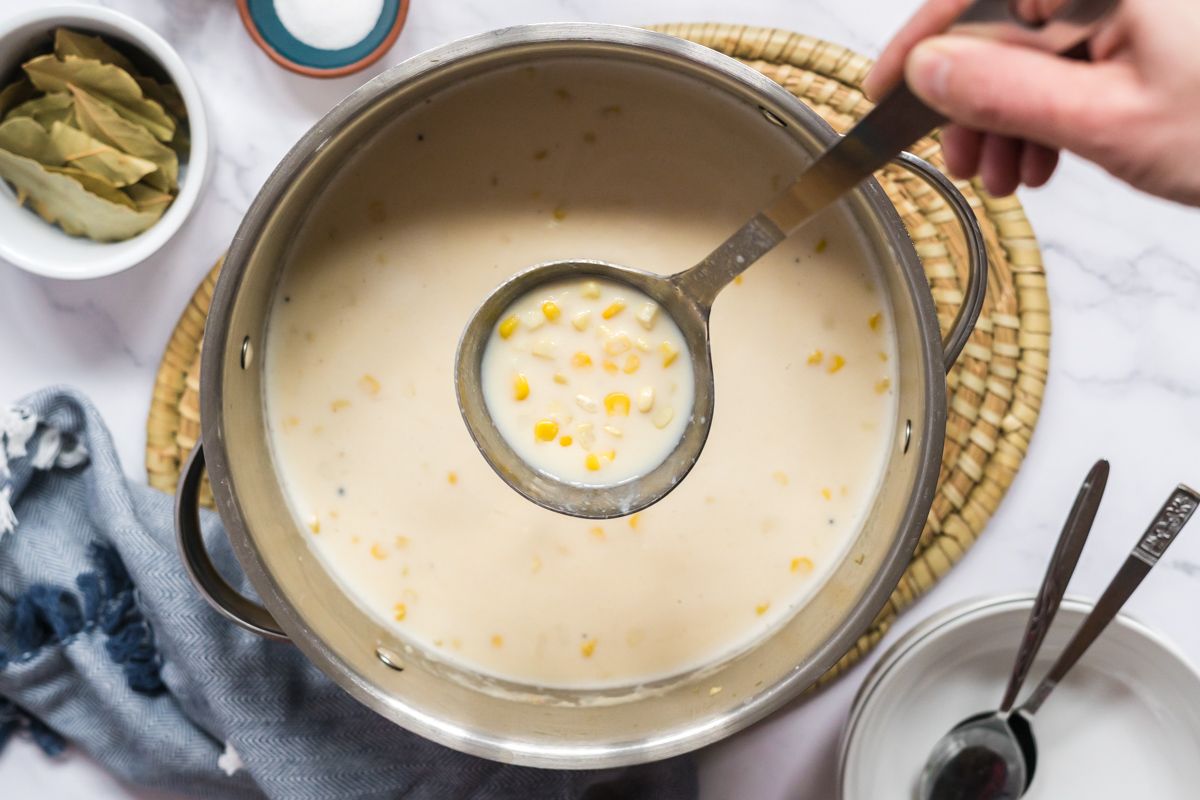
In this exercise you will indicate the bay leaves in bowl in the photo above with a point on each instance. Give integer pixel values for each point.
(89, 141)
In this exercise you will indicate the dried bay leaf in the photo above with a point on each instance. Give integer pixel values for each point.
(25, 137)
(165, 94)
(62, 199)
(100, 122)
(47, 109)
(72, 43)
(147, 198)
(97, 157)
(14, 94)
(96, 185)
(109, 84)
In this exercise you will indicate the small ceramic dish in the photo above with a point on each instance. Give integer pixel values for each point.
(25, 239)
(1125, 722)
(269, 32)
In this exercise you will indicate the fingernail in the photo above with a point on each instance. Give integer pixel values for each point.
(928, 69)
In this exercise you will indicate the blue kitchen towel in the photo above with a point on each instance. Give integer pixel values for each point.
(105, 644)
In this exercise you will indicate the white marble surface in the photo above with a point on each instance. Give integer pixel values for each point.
(1125, 379)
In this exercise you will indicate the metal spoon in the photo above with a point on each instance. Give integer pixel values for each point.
(956, 751)
(993, 757)
(896, 122)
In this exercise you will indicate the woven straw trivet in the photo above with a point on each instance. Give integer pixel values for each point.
(995, 391)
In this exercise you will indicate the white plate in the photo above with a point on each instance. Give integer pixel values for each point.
(1123, 724)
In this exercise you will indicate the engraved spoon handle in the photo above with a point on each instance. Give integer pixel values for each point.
(1163, 529)
(1058, 575)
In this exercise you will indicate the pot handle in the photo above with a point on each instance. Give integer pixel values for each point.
(977, 260)
(216, 590)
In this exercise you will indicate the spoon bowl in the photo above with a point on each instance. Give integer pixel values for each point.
(989, 755)
(591, 501)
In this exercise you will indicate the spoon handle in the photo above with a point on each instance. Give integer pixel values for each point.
(1165, 526)
(1058, 575)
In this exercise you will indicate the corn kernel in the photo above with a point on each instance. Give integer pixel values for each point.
(587, 648)
(614, 308)
(714, 690)
(738, 279)
(634, 520)
(632, 362)
(559, 213)
(613, 430)
(400, 541)
(881, 386)
(399, 612)
(508, 326)
(580, 320)
(611, 455)
(836, 363)
(369, 384)
(616, 403)
(377, 552)
(532, 319)
(543, 348)
(802, 564)
(827, 493)
(645, 399)
(610, 367)
(883, 356)
(647, 315)
(586, 403)
(617, 344)
(663, 416)
(592, 462)
(670, 352)
(761, 608)
(551, 310)
(641, 344)
(314, 525)
(291, 422)
(520, 387)
(581, 360)
(565, 441)
(875, 320)
(822, 244)
(815, 357)
(497, 640)
(586, 434)
(598, 532)
(545, 430)
(560, 379)
(338, 405)
(591, 290)
(452, 477)
(536, 565)
(780, 477)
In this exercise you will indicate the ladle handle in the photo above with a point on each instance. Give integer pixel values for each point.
(1165, 526)
(216, 590)
(901, 118)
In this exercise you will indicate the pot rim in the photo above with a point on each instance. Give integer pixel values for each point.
(507, 749)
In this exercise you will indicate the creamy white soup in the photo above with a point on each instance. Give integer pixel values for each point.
(588, 381)
(572, 159)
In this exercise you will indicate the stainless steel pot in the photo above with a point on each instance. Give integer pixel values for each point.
(505, 722)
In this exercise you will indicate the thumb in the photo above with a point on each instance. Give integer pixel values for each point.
(1012, 90)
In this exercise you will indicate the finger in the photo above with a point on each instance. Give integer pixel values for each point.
(933, 17)
(961, 147)
(1037, 164)
(1000, 164)
(1021, 92)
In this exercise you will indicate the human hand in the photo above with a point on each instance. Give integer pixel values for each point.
(1134, 109)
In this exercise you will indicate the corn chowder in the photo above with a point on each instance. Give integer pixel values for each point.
(585, 381)
(519, 167)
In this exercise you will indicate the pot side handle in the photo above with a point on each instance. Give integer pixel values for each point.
(977, 259)
(216, 590)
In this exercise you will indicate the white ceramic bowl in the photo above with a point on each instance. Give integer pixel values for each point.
(25, 239)
(1124, 723)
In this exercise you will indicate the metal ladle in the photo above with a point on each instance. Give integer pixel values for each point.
(687, 297)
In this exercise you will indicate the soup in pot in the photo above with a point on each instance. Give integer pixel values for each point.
(573, 159)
